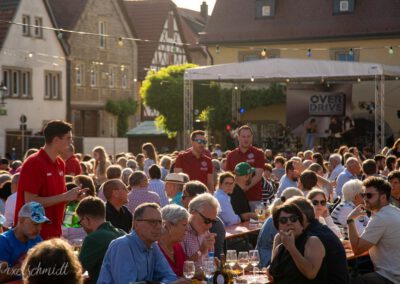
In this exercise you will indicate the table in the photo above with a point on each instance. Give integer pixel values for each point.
(242, 229)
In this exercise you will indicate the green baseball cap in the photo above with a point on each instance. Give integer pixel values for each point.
(243, 169)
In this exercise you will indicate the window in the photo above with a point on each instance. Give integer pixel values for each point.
(265, 8)
(38, 31)
(52, 85)
(171, 58)
(78, 75)
(343, 6)
(111, 77)
(18, 82)
(124, 82)
(345, 54)
(93, 77)
(102, 31)
(26, 29)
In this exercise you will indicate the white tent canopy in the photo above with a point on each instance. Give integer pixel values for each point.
(281, 69)
(307, 70)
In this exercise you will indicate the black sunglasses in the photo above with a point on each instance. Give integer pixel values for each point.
(291, 218)
(200, 141)
(318, 202)
(368, 195)
(207, 220)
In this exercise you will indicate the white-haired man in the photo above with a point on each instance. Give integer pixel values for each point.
(353, 169)
(335, 164)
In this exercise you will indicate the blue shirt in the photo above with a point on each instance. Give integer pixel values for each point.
(128, 259)
(265, 242)
(227, 214)
(284, 183)
(12, 249)
(158, 186)
(342, 178)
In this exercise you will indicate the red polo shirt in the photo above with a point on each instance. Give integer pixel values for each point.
(253, 156)
(72, 166)
(195, 168)
(40, 175)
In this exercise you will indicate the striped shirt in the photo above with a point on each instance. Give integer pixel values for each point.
(339, 217)
(158, 186)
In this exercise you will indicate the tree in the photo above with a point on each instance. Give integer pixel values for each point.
(122, 110)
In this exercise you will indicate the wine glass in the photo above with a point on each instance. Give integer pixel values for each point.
(254, 259)
(208, 268)
(260, 209)
(188, 269)
(243, 260)
(231, 259)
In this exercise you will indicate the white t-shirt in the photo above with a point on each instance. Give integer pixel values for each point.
(383, 230)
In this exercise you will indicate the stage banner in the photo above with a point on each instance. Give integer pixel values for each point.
(318, 102)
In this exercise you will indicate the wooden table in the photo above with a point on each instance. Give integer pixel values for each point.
(241, 230)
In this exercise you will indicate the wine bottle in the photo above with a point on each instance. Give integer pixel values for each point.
(222, 276)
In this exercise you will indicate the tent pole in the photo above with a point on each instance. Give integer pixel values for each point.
(187, 112)
(379, 132)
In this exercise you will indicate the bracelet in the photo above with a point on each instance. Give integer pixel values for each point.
(349, 221)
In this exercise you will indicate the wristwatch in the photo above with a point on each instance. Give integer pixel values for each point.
(349, 221)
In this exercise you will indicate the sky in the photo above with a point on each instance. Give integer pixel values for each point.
(195, 4)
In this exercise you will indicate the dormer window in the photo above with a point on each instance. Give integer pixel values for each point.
(265, 8)
(343, 6)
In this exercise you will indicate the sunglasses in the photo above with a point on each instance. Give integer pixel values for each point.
(153, 222)
(206, 220)
(291, 218)
(368, 195)
(200, 141)
(319, 202)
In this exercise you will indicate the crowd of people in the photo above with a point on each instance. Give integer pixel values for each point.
(133, 218)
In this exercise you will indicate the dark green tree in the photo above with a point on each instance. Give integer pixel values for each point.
(122, 110)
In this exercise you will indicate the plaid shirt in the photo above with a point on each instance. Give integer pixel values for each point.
(191, 244)
(141, 195)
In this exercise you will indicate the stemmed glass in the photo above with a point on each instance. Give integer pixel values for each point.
(254, 260)
(188, 269)
(243, 260)
(209, 269)
(231, 259)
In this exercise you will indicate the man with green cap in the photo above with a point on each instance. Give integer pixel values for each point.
(240, 204)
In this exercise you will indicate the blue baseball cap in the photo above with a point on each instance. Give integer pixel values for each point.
(34, 211)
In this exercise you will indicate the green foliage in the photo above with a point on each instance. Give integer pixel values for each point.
(163, 91)
(122, 109)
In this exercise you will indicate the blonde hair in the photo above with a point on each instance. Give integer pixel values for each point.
(100, 166)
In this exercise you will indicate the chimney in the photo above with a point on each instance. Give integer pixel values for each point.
(204, 10)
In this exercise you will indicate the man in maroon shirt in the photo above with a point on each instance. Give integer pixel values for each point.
(42, 178)
(72, 165)
(194, 163)
(246, 152)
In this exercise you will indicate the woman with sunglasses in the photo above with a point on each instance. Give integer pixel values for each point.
(296, 256)
(318, 199)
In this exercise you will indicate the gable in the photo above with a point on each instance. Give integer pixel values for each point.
(8, 9)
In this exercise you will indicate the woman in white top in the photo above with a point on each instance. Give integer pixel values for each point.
(318, 199)
(150, 156)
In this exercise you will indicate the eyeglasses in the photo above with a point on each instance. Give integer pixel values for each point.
(368, 195)
(207, 220)
(80, 221)
(153, 222)
(291, 218)
(200, 141)
(319, 202)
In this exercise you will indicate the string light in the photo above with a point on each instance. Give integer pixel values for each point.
(120, 42)
(217, 49)
(359, 80)
(30, 55)
(309, 54)
(236, 87)
(60, 35)
(391, 50)
(287, 80)
(351, 52)
(322, 79)
(252, 79)
(264, 52)
(174, 47)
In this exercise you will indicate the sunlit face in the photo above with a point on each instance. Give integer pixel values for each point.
(149, 227)
(96, 155)
(199, 143)
(395, 185)
(372, 199)
(200, 219)
(63, 143)
(319, 203)
(121, 194)
(30, 229)
(177, 231)
(245, 138)
(296, 226)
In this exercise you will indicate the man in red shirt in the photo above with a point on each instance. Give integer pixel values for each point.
(194, 163)
(246, 152)
(42, 178)
(72, 165)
